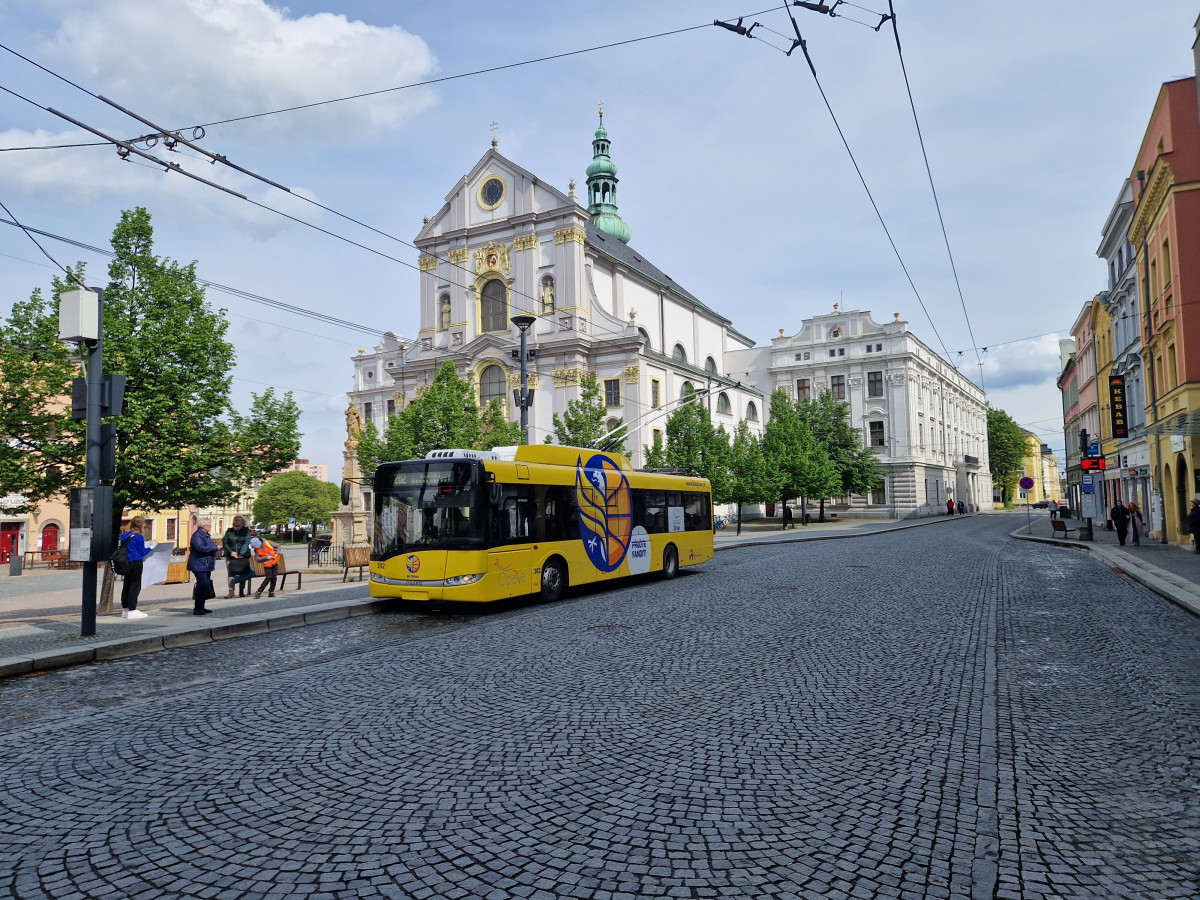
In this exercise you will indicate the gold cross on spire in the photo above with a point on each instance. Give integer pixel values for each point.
(495, 143)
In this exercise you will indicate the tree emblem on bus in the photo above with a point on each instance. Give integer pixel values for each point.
(605, 511)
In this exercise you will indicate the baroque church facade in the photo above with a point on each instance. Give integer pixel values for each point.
(507, 244)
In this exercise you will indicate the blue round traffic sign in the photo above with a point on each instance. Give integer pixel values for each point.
(1026, 483)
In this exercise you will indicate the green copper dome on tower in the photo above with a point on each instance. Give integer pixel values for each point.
(602, 188)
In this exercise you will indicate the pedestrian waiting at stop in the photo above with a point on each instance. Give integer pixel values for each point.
(267, 555)
(137, 550)
(962, 508)
(1136, 526)
(1120, 519)
(949, 507)
(202, 560)
(237, 556)
(1194, 524)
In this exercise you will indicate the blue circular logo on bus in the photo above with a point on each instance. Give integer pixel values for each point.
(605, 511)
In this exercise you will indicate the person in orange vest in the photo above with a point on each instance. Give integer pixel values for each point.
(267, 555)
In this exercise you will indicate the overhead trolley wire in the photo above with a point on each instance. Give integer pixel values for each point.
(800, 43)
(933, 190)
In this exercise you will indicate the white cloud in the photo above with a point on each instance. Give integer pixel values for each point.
(1028, 363)
(194, 61)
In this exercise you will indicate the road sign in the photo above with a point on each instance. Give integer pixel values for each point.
(1089, 483)
(1026, 483)
(1093, 448)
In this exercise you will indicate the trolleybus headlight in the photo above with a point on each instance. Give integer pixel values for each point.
(464, 579)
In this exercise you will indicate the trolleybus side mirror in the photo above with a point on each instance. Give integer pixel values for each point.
(345, 493)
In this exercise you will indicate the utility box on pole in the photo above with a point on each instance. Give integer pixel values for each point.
(78, 316)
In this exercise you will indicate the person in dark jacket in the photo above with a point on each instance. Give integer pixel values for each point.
(137, 550)
(1194, 524)
(237, 557)
(1120, 519)
(201, 562)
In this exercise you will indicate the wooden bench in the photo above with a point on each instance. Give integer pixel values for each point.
(281, 571)
(1060, 527)
(355, 558)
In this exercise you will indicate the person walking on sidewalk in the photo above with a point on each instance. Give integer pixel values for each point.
(1120, 519)
(1136, 525)
(137, 550)
(237, 556)
(1194, 524)
(201, 562)
(267, 555)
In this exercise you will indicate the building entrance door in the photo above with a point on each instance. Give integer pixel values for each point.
(10, 534)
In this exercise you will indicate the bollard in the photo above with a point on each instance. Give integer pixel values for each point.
(14, 564)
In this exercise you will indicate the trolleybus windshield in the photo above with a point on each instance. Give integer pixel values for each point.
(423, 505)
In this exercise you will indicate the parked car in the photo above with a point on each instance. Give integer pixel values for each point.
(1042, 504)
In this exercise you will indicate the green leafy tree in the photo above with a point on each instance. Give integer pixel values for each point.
(396, 443)
(859, 471)
(798, 467)
(495, 430)
(296, 495)
(1006, 450)
(40, 444)
(689, 435)
(179, 440)
(583, 422)
(656, 452)
(749, 481)
(446, 415)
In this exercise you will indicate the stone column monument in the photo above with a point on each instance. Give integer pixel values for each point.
(351, 522)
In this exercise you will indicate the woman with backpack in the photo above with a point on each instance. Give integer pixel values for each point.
(136, 550)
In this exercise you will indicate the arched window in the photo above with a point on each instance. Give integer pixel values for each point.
(679, 354)
(710, 366)
(645, 335)
(751, 412)
(684, 391)
(492, 384)
(723, 404)
(493, 306)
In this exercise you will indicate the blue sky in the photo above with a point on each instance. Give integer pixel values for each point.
(733, 177)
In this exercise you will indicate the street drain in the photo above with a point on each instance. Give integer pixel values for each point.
(608, 629)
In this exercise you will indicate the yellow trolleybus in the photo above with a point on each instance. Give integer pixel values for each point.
(480, 526)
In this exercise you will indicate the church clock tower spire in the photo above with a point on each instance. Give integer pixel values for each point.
(602, 188)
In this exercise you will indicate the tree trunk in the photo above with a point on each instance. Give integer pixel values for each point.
(821, 513)
(105, 606)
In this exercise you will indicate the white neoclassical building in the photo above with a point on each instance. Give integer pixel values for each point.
(926, 421)
(506, 244)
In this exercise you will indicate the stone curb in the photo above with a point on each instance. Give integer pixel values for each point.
(1166, 584)
(186, 635)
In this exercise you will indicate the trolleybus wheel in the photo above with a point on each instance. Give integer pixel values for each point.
(670, 562)
(554, 579)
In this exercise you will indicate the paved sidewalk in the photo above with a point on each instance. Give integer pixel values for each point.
(40, 609)
(1170, 571)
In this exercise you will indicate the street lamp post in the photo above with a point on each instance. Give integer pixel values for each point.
(524, 323)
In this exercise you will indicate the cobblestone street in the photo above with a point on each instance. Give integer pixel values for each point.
(931, 713)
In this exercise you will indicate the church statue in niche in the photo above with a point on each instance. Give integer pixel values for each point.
(547, 295)
(444, 314)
